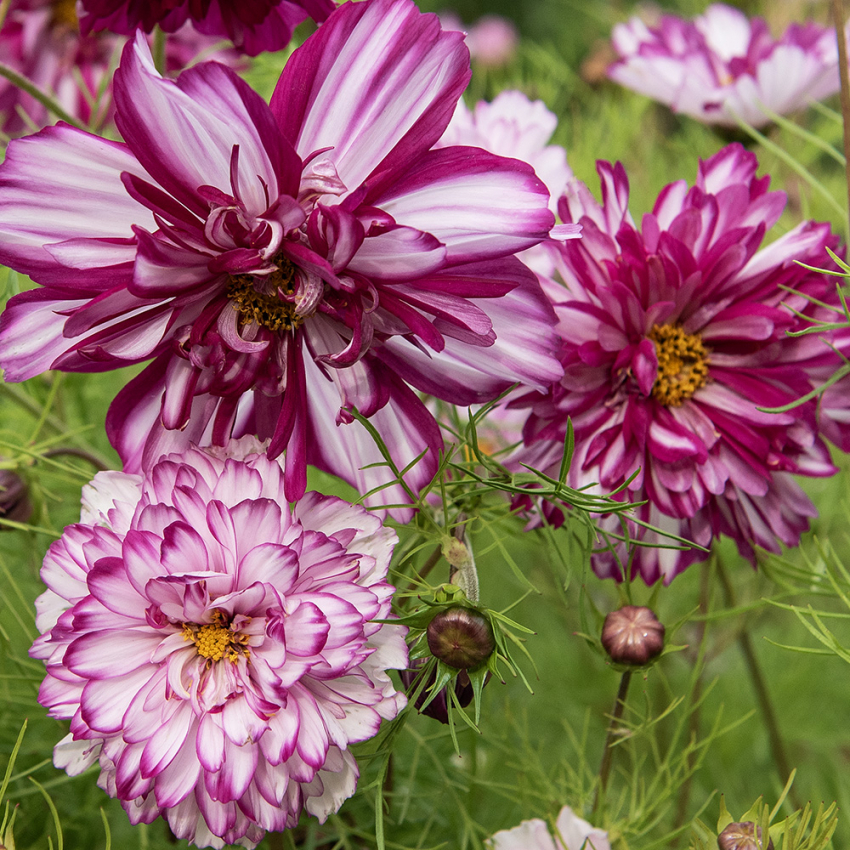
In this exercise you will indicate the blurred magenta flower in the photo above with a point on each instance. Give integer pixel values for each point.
(492, 40)
(572, 833)
(283, 263)
(213, 647)
(41, 40)
(722, 65)
(254, 26)
(674, 335)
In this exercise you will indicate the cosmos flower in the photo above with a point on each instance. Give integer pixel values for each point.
(572, 833)
(674, 337)
(492, 40)
(283, 263)
(212, 647)
(723, 66)
(254, 26)
(41, 40)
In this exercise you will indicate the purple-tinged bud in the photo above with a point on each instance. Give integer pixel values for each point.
(461, 638)
(14, 497)
(743, 836)
(438, 708)
(632, 635)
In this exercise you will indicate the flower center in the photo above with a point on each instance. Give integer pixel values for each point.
(267, 305)
(682, 364)
(216, 641)
(64, 13)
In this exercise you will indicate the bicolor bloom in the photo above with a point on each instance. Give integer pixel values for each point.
(41, 40)
(283, 263)
(212, 647)
(723, 66)
(674, 339)
(571, 833)
(254, 26)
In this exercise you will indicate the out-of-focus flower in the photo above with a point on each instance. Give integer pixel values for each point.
(674, 336)
(41, 40)
(15, 502)
(283, 264)
(571, 833)
(215, 649)
(254, 26)
(723, 66)
(632, 635)
(492, 40)
(743, 836)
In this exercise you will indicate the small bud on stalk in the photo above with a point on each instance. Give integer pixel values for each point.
(438, 708)
(461, 638)
(743, 836)
(632, 635)
(14, 497)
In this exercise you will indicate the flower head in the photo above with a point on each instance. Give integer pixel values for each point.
(214, 648)
(253, 26)
(674, 340)
(743, 836)
(283, 264)
(723, 66)
(632, 635)
(572, 833)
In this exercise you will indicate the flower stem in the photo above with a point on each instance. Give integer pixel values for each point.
(41, 96)
(96, 462)
(777, 745)
(608, 752)
(838, 19)
(158, 53)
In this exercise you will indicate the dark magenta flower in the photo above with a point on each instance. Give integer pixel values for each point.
(673, 335)
(214, 647)
(254, 26)
(723, 66)
(283, 263)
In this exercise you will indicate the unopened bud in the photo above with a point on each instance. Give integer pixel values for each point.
(632, 635)
(438, 708)
(14, 497)
(743, 836)
(460, 637)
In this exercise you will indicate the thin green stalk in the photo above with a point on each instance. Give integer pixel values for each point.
(838, 19)
(41, 96)
(777, 744)
(613, 732)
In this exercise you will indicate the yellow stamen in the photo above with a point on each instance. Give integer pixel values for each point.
(682, 364)
(216, 641)
(267, 306)
(65, 14)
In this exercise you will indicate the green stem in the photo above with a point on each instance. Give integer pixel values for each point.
(41, 96)
(158, 52)
(777, 745)
(613, 732)
(80, 453)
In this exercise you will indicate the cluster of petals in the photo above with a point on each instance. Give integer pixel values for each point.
(723, 67)
(212, 647)
(41, 41)
(283, 263)
(571, 833)
(674, 340)
(254, 26)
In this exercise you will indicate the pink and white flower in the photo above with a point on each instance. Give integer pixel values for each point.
(492, 40)
(723, 66)
(572, 833)
(674, 338)
(213, 648)
(283, 263)
(254, 26)
(41, 40)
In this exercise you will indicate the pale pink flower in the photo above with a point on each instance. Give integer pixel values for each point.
(283, 263)
(723, 66)
(213, 648)
(571, 833)
(492, 40)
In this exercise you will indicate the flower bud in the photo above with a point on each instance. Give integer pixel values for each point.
(743, 836)
(461, 638)
(14, 497)
(438, 708)
(632, 635)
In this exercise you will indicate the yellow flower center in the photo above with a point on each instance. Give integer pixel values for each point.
(682, 364)
(64, 13)
(216, 641)
(268, 306)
